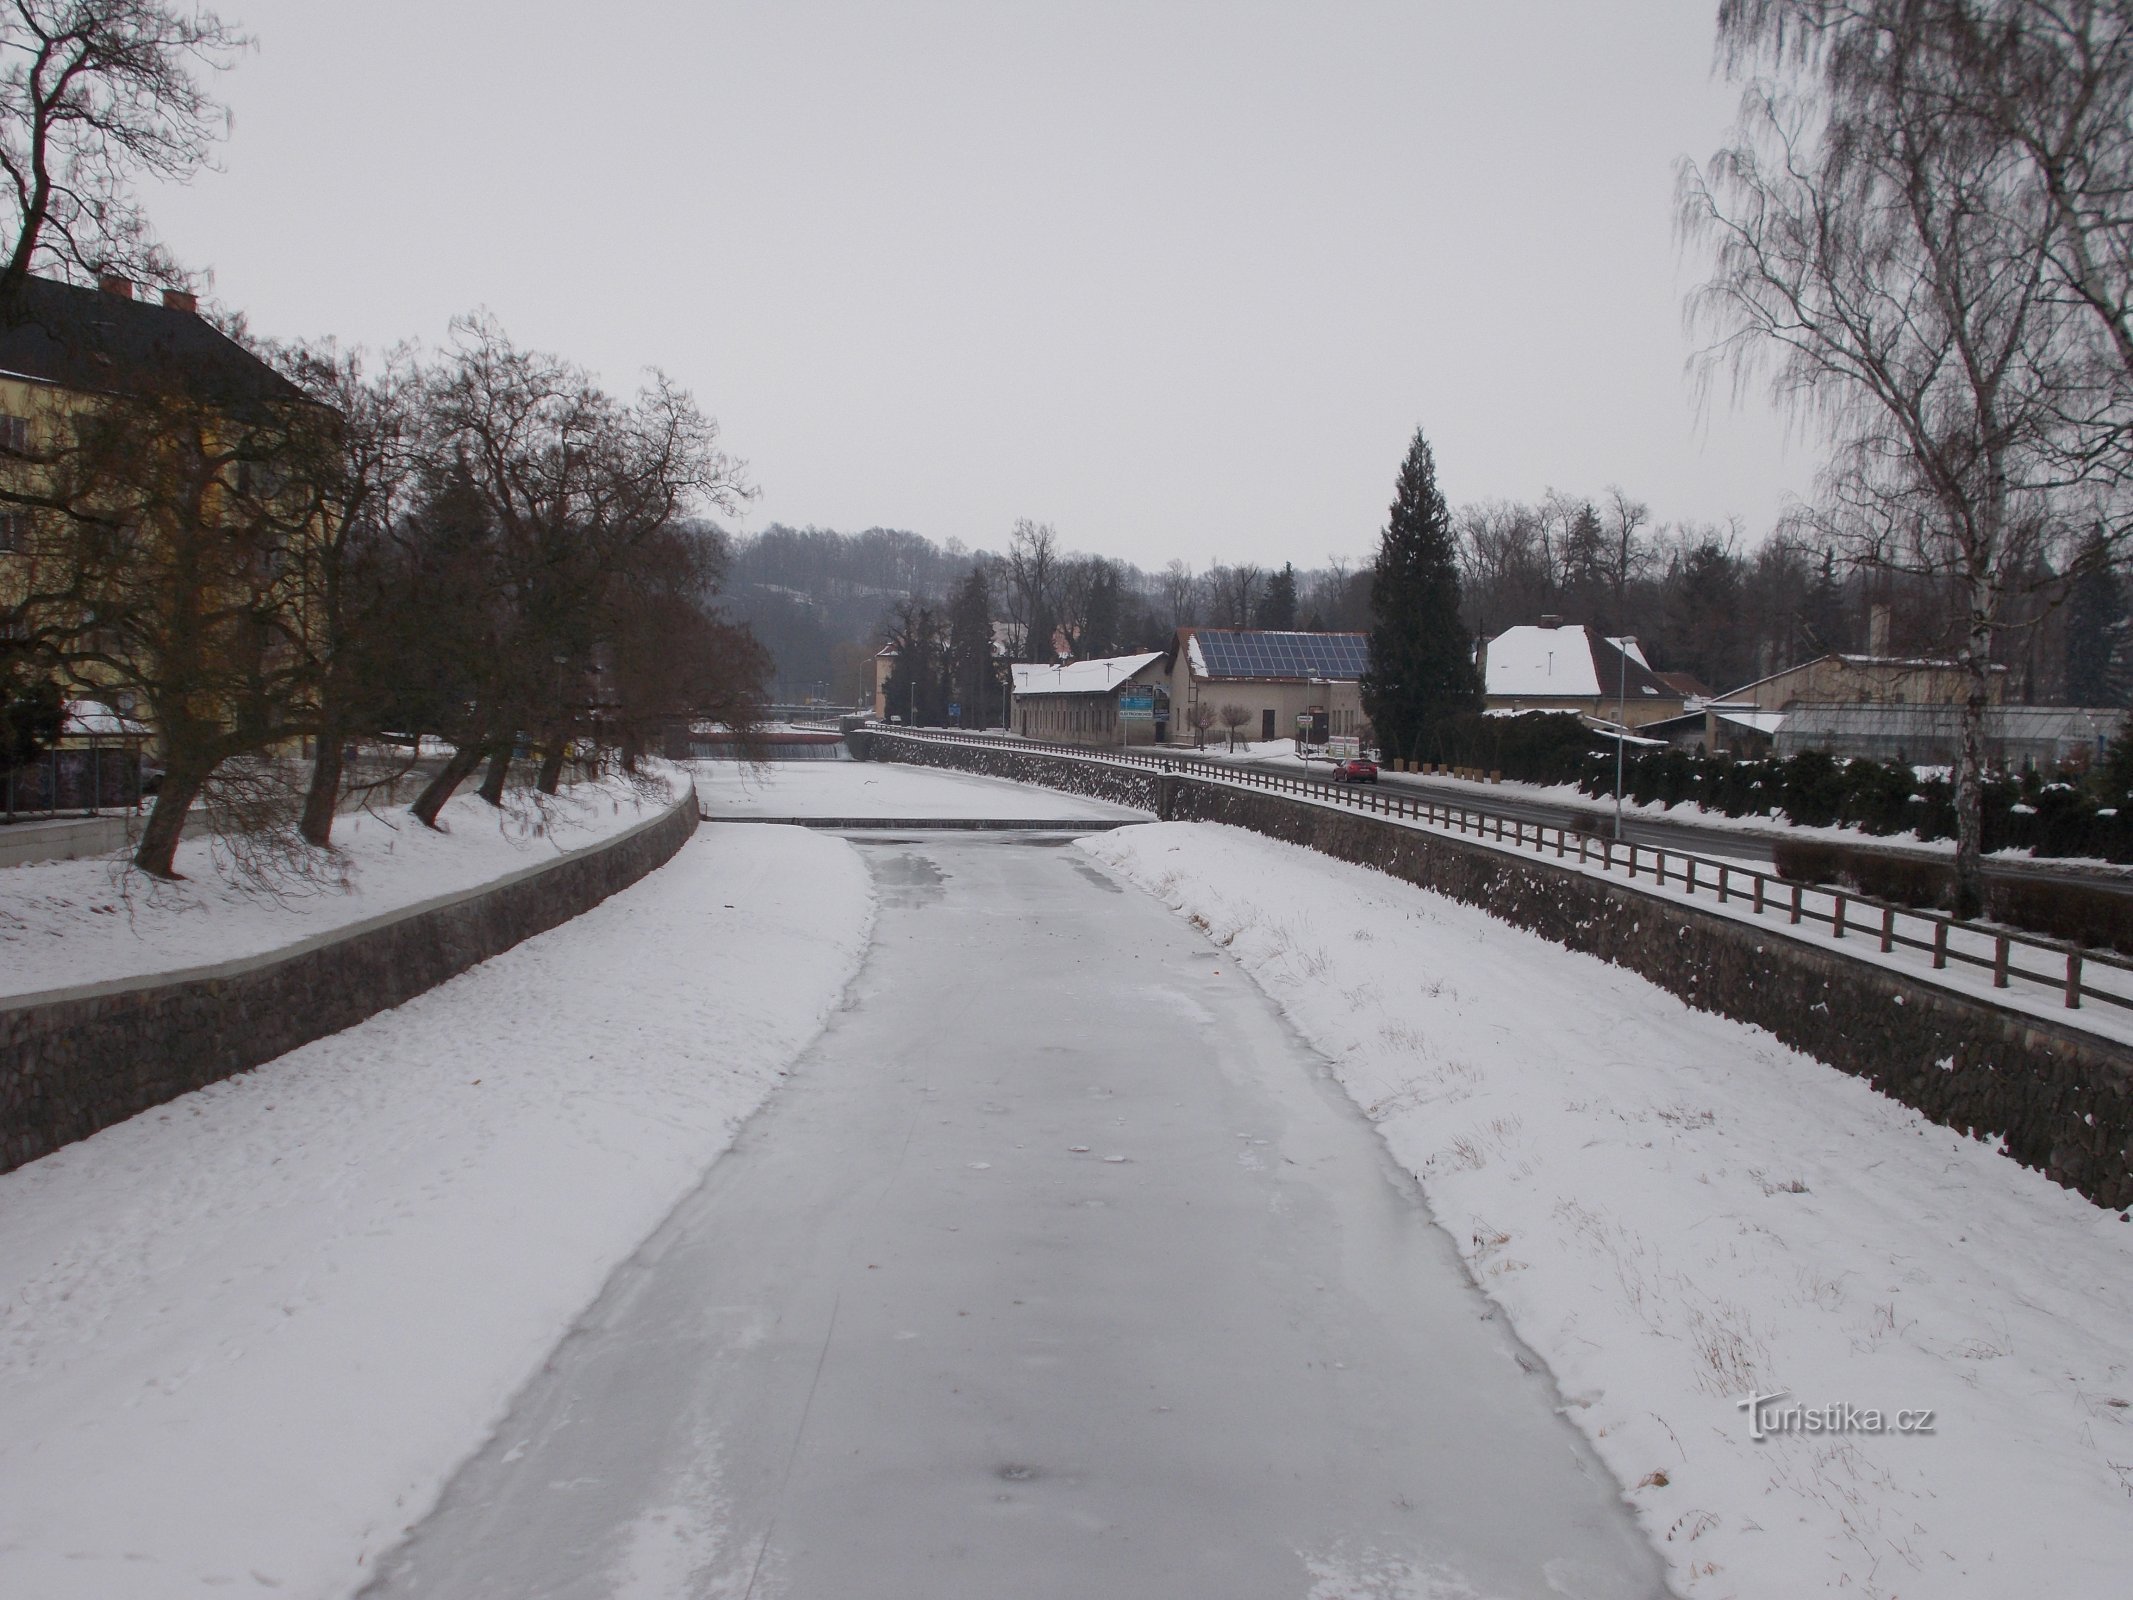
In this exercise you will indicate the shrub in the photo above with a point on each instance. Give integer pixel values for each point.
(1539, 747)
(1813, 789)
(1813, 861)
(2095, 917)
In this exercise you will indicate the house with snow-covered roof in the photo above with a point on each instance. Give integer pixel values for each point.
(1554, 666)
(1108, 700)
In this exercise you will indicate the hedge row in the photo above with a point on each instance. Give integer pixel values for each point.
(2094, 916)
(2046, 816)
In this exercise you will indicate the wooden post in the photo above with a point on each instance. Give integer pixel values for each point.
(1836, 917)
(1940, 944)
(1888, 929)
(1999, 962)
(1721, 883)
(1795, 903)
(1758, 894)
(2073, 977)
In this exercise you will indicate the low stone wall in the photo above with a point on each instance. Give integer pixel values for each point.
(2060, 1099)
(82, 1060)
(1126, 786)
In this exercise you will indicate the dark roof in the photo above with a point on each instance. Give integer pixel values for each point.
(1608, 662)
(105, 343)
(1266, 653)
(1687, 684)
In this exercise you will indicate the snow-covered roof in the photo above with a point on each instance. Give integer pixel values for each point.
(1767, 722)
(87, 718)
(1535, 661)
(1095, 676)
(1628, 645)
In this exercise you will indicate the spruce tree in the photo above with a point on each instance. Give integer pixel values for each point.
(1421, 671)
(1277, 607)
(2095, 630)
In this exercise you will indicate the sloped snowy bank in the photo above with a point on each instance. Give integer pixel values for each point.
(70, 922)
(1676, 1211)
(246, 1337)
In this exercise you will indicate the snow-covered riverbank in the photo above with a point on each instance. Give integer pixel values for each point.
(245, 1337)
(87, 921)
(1677, 1211)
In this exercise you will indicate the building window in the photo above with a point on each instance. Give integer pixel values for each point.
(14, 435)
(14, 531)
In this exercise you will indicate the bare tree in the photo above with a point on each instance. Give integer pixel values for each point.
(1199, 716)
(361, 479)
(1866, 258)
(1178, 588)
(1623, 518)
(567, 492)
(1234, 717)
(1033, 587)
(1233, 593)
(93, 94)
(2047, 86)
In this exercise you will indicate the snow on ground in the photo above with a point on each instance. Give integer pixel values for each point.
(1676, 1210)
(85, 921)
(244, 1338)
(882, 789)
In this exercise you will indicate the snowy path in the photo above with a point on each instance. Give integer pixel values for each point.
(1058, 1268)
(247, 1336)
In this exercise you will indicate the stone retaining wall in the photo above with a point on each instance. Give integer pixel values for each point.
(89, 1057)
(2059, 1098)
(1126, 786)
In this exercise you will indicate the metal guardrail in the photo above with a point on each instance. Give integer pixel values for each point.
(1948, 941)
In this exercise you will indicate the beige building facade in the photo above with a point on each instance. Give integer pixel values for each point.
(1279, 680)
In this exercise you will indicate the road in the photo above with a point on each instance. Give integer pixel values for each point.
(1058, 1268)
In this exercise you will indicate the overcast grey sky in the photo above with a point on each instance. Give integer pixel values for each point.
(1179, 278)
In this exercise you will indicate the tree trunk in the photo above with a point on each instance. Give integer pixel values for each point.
(158, 849)
(1970, 775)
(324, 794)
(441, 788)
(551, 767)
(492, 781)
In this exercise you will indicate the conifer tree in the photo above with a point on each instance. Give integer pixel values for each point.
(1277, 606)
(2096, 642)
(1421, 671)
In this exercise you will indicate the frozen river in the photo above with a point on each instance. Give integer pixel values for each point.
(1058, 1268)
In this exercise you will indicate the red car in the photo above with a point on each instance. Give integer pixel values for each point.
(1355, 770)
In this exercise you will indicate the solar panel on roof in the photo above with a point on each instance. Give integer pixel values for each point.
(1282, 655)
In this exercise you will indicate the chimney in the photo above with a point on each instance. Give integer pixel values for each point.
(112, 283)
(181, 300)
(1877, 630)
(1551, 622)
